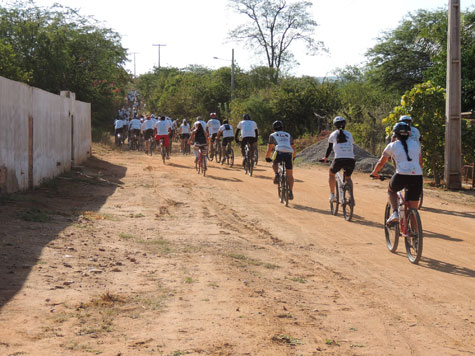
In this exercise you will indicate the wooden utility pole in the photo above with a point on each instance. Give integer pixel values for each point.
(453, 128)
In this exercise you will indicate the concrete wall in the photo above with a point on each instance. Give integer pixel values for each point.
(40, 136)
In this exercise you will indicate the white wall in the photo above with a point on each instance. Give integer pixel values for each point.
(54, 143)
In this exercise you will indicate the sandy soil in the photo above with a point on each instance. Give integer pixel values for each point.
(128, 256)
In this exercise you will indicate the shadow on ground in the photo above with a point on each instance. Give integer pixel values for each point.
(32, 220)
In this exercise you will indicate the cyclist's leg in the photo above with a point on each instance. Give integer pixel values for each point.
(414, 190)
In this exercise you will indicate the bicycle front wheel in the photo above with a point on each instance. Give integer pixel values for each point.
(391, 232)
(348, 202)
(413, 240)
(203, 166)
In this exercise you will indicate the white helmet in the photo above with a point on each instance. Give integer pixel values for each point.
(339, 121)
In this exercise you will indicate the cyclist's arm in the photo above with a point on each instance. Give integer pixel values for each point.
(329, 150)
(382, 161)
(191, 137)
(257, 133)
(270, 147)
(294, 153)
(219, 134)
(236, 135)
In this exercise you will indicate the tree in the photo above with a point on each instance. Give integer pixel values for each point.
(273, 26)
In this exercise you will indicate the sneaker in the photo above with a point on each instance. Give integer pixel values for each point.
(291, 195)
(393, 218)
(276, 178)
(332, 198)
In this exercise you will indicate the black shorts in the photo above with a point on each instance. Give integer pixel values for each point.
(226, 140)
(184, 136)
(347, 164)
(213, 137)
(135, 132)
(413, 184)
(148, 133)
(285, 157)
(251, 140)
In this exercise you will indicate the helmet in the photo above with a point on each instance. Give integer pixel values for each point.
(162, 118)
(225, 121)
(277, 125)
(184, 121)
(401, 129)
(212, 115)
(339, 122)
(246, 117)
(405, 118)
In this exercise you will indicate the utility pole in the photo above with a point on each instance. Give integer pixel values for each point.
(159, 45)
(135, 68)
(453, 128)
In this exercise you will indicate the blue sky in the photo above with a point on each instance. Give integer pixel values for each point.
(195, 31)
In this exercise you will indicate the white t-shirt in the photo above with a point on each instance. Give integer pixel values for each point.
(213, 126)
(162, 127)
(118, 124)
(395, 150)
(185, 129)
(227, 130)
(148, 125)
(248, 128)
(342, 150)
(282, 141)
(135, 124)
(415, 134)
(202, 124)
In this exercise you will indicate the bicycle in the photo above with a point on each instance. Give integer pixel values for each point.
(187, 148)
(228, 155)
(163, 150)
(218, 150)
(151, 145)
(200, 164)
(248, 159)
(409, 226)
(344, 196)
(283, 187)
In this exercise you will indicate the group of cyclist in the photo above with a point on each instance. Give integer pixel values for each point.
(404, 149)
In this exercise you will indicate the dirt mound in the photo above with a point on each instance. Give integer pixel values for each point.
(365, 161)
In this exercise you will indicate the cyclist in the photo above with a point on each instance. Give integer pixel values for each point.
(134, 128)
(163, 129)
(202, 122)
(184, 133)
(226, 130)
(284, 147)
(212, 127)
(200, 138)
(119, 127)
(249, 134)
(406, 153)
(341, 142)
(147, 130)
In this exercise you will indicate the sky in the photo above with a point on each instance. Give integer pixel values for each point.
(194, 32)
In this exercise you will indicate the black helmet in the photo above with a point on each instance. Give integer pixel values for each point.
(277, 125)
(246, 117)
(225, 121)
(162, 118)
(401, 129)
(339, 122)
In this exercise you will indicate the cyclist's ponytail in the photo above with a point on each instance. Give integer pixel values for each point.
(403, 139)
(341, 138)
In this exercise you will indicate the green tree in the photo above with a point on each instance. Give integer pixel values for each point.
(273, 26)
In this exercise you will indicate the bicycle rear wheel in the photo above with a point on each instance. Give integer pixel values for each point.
(163, 151)
(348, 202)
(334, 204)
(421, 199)
(219, 152)
(286, 190)
(391, 232)
(251, 167)
(413, 240)
(203, 166)
(231, 157)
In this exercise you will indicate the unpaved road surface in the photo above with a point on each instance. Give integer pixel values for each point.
(130, 257)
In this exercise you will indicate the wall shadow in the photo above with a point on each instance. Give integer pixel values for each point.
(32, 220)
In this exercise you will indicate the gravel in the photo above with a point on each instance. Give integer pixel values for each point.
(365, 161)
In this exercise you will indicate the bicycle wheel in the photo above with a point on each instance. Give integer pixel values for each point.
(163, 151)
(281, 186)
(391, 232)
(219, 152)
(413, 240)
(348, 202)
(203, 166)
(150, 147)
(251, 166)
(286, 190)
(231, 157)
(256, 156)
(334, 204)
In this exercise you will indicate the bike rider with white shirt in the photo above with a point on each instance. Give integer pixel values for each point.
(212, 127)
(119, 128)
(199, 137)
(249, 133)
(226, 130)
(415, 133)
(341, 141)
(134, 128)
(283, 144)
(185, 132)
(147, 131)
(406, 154)
(163, 129)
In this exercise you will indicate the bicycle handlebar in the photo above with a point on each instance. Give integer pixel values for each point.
(381, 177)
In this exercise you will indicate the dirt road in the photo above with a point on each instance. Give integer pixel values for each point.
(131, 257)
